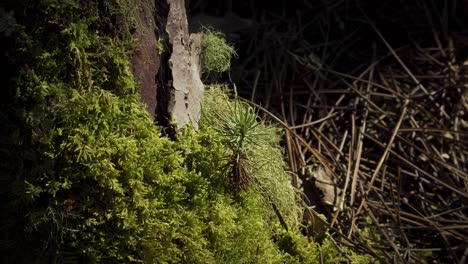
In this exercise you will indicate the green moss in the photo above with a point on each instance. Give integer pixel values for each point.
(7, 22)
(89, 178)
(228, 118)
(246, 137)
(216, 53)
(160, 46)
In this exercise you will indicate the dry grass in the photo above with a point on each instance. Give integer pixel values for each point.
(378, 97)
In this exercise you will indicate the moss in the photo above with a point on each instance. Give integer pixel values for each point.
(271, 184)
(7, 22)
(246, 137)
(160, 46)
(90, 179)
(216, 53)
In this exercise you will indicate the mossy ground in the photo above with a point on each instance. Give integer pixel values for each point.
(88, 178)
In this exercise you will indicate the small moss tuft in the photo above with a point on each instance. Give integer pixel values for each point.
(217, 54)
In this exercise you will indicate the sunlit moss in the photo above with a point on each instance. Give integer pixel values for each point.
(93, 180)
(216, 53)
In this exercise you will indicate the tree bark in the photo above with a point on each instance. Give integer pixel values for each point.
(146, 60)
